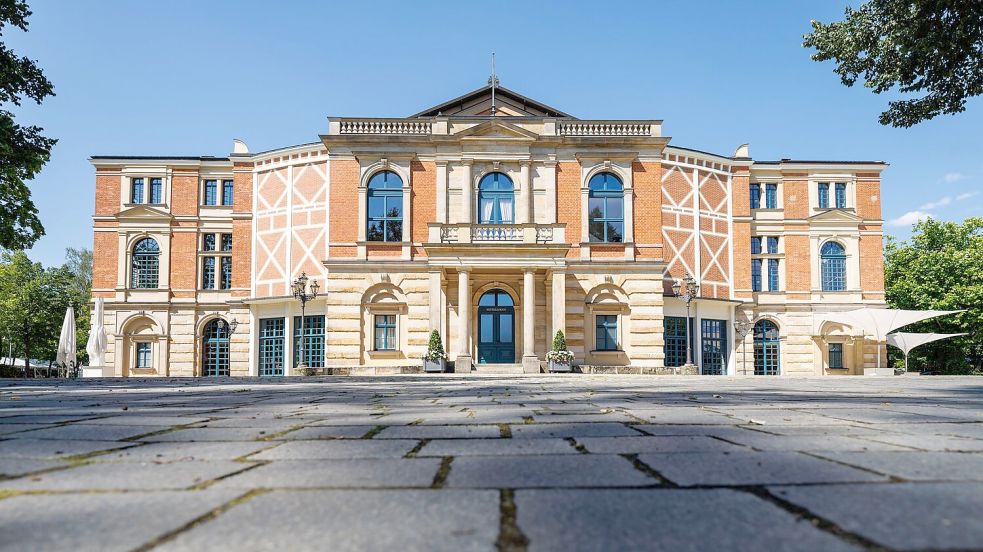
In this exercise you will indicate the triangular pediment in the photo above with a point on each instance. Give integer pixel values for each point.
(478, 103)
(496, 129)
(143, 212)
(835, 216)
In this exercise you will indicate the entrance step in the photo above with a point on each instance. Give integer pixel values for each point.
(498, 368)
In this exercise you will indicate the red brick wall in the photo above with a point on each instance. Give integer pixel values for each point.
(184, 193)
(647, 207)
(797, 261)
(568, 202)
(107, 192)
(796, 197)
(871, 263)
(869, 199)
(242, 231)
(184, 266)
(344, 200)
(105, 259)
(424, 198)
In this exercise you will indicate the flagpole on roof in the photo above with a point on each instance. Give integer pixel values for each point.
(493, 82)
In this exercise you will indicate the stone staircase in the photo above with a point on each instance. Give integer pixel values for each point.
(498, 368)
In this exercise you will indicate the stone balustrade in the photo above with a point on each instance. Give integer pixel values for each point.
(607, 128)
(384, 126)
(497, 233)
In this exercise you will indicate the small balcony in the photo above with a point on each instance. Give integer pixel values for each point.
(497, 233)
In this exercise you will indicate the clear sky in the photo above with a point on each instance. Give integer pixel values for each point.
(186, 77)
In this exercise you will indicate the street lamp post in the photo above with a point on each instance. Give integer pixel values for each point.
(742, 328)
(229, 328)
(300, 292)
(687, 290)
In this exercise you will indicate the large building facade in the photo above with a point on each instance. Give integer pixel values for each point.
(496, 220)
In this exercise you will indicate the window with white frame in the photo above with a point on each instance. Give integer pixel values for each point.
(145, 264)
(216, 261)
(606, 332)
(143, 350)
(765, 262)
(217, 192)
(385, 332)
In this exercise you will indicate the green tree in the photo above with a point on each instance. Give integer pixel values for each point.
(941, 267)
(23, 149)
(926, 48)
(78, 264)
(32, 305)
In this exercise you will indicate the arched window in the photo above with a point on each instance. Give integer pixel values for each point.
(766, 359)
(833, 266)
(385, 220)
(496, 199)
(215, 349)
(606, 208)
(145, 270)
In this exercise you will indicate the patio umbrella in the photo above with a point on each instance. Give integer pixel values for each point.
(908, 341)
(98, 342)
(66, 343)
(880, 322)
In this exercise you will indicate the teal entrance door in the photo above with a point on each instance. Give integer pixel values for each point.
(496, 328)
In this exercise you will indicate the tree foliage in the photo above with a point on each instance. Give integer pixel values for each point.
(23, 149)
(929, 48)
(941, 267)
(33, 301)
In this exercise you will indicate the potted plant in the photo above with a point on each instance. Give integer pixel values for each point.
(560, 359)
(435, 360)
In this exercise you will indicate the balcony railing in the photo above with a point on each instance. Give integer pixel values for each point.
(497, 233)
(383, 126)
(608, 128)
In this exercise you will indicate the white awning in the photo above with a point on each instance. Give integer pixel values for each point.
(908, 341)
(877, 323)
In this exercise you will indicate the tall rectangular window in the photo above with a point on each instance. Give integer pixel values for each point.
(771, 196)
(836, 355)
(824, 195)
(208, 242)
(772, 274)
(271, 334)
(156, 191)
(675, 340)
(227, 192)
(772, 245)
(755, 196)
(755, 274)
(211, 192)
(313, 346)
(755, 245)
(606, 332)
(226, 282)
(840, 195)
(226, 242)
(143, 355)
(714, 347)
(136, 190)
(385, 332)
(208, 273)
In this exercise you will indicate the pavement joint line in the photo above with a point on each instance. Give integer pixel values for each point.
(416, 448)
(279, 434)
(510, 536)
(816, 520)
(648, 470)
(578, 446)
(245, 457)
(205, 518)
(442, 472)
(172, 429)
(893, 478)
(373, 432)
(202, 485)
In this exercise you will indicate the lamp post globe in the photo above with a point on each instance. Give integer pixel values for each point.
(687, 290)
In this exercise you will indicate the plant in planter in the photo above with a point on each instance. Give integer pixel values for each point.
(435, 360)
(560, 359)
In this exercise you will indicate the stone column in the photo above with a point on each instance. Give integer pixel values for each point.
(435, 301)
(530, 362)
(463, 363)
(524, 211)
(559, 304)
(466, 188)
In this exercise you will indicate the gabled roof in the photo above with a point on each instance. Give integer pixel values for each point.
(459, 105)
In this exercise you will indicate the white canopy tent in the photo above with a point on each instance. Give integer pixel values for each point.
(908, 341)
(878, 323)
(98, 342)
(67, 355)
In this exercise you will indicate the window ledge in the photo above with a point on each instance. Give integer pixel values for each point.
(393, 243)
(385, 354)
(142, 371)
(607, 352)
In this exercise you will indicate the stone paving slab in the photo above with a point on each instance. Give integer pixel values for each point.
(440, 432)
(496, 447)
(767, 442)
(926, 466)
(11, 467)
(628, 445)
(327, 432)
(663, 519)
(561, 470)
(92, 432)
(183, 452)
(48, 448)
(360, 473)
(105, 522)
(907, 516)
(939, 443)
(126, 476)
(214, 434)
(340, 448)
(411, 520)
(600, 429)
(751, 468)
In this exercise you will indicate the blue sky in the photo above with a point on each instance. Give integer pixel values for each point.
(186, 77)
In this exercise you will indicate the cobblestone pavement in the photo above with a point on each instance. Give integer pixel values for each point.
(452, 463)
